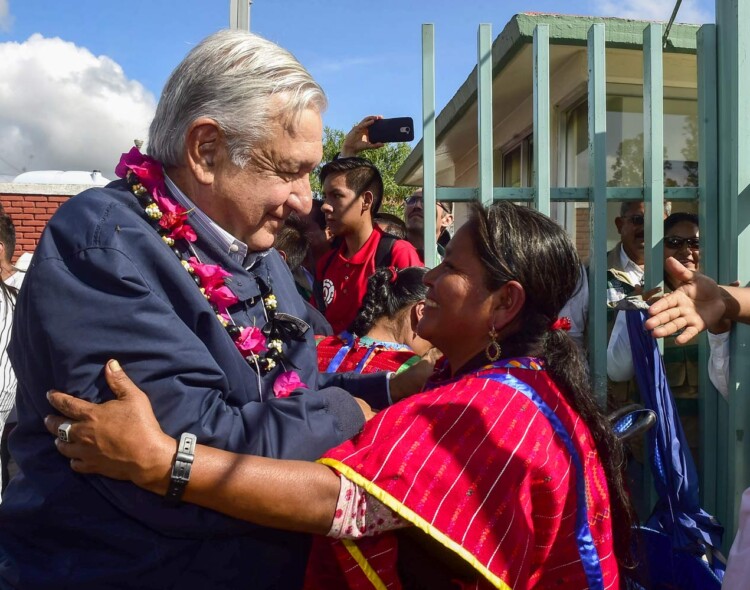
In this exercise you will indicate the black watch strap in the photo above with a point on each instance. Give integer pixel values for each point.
(183, 462)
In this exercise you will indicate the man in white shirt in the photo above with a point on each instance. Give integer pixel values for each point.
(628, 255)
(12, 277)
(625, 261)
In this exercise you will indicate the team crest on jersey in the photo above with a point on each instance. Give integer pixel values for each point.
(328, 291)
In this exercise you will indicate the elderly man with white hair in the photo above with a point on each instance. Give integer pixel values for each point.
(171, 271)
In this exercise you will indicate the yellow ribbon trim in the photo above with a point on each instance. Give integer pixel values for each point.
(410, 516)
(361, 560)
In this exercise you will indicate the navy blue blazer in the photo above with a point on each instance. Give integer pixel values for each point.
(103, 285)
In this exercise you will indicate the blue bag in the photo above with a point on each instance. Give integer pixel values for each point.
(678, 547)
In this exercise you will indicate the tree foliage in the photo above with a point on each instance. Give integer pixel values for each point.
(388, 160)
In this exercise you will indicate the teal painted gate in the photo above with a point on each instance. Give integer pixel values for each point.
(723, 199)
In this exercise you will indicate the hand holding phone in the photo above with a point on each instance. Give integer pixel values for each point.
(391, 130)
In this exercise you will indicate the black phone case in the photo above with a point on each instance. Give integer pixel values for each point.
(392, 130)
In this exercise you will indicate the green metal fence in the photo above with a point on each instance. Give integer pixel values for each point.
(723, 202)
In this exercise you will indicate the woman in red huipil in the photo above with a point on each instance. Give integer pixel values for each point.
(383, 336)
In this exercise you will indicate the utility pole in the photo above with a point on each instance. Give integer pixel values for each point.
(239, 14)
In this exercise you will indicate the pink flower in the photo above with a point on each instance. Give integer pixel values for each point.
(184, 231)
(148, 170)
(212, 280)
(251, 339)
(222, 298)
(174, 218)
(211, 275)
(286, 383)
(162, 198)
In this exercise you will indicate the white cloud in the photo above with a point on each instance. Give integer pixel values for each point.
(62, 108)
(691, 11)
(6, 20)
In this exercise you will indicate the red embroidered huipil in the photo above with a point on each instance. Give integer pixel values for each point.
(477, 466)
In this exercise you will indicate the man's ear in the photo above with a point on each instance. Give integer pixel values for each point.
(367, 199)
(618, 223)
(282, 254)
(204, 144)
(446, 221)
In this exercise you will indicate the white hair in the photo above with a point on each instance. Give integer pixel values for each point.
(231, 77)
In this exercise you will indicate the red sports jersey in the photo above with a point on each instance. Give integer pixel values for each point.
(345, 280)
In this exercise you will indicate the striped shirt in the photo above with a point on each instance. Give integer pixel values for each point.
(8, 381)
(7, 376)
(209, 230)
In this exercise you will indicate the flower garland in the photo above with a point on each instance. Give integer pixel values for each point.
(146, 179)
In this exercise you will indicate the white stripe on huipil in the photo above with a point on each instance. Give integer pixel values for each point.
(497, 480)
(525, 552)
(398, 442)
(511, 457)
(437, 444)
(466, 463)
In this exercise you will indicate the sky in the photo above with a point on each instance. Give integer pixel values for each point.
(80, 79)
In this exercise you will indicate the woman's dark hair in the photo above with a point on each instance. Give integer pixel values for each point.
(388, 291)
(679, 217)
(516, 243)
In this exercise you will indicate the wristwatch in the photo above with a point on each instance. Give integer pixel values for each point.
(183, 462)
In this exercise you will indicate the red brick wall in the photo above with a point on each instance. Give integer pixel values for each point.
(583, 232)
(30, 213)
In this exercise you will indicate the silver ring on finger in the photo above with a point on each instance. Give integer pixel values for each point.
(63, 431)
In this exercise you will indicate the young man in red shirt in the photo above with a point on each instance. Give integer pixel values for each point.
(353, 190)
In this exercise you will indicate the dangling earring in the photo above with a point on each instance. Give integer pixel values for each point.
(492, 350)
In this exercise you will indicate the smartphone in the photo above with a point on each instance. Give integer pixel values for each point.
(391, 130)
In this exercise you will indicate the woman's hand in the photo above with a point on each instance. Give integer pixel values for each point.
(120, 438)
(366, 409)
(413, 379)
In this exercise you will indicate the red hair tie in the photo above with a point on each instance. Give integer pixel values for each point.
(394, 275)
(560, 324)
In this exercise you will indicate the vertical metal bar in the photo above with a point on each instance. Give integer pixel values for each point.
(708, 399)
(732, 17)
(597, 118)
(653, 154)
(239, 15)
(541, 120)
(484, 108)
(653, 179)
(428, 143)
